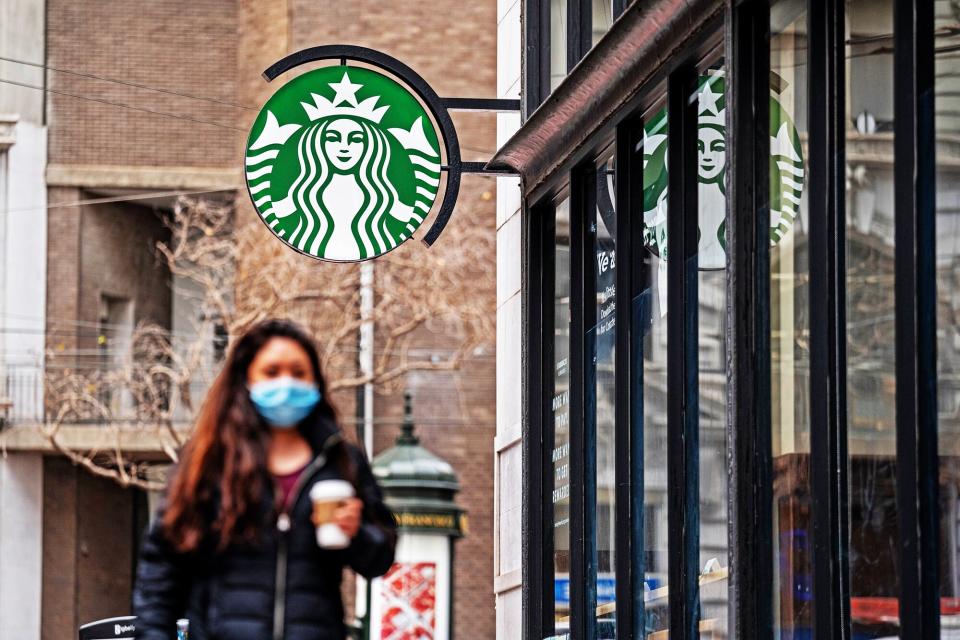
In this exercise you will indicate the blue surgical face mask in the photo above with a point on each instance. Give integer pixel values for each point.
(284, 402)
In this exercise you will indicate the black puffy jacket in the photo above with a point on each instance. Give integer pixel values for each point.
(284, 587)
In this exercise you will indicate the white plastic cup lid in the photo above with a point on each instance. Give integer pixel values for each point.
(331, 490)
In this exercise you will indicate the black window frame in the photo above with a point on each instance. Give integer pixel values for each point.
(684, 477)
(537, 15)
(746, 36)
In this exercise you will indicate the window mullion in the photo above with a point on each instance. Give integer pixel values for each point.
(748, 347)
(579, 30)
(619, 6)
(536, 58)
(828, 422)
(683, 432)
(538, 471)
(588, 186)
(630, 569)
(580, 562)
(915, 319)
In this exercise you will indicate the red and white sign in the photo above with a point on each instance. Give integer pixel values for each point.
(409, 597)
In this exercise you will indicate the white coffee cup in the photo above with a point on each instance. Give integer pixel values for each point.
(327, 496)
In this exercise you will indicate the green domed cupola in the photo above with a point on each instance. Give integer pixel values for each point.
(419, 486)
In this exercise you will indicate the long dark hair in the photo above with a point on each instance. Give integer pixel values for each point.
(220, 482)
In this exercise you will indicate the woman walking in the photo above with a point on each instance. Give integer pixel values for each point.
(235, 548)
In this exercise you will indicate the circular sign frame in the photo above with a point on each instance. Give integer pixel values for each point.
(407, 79)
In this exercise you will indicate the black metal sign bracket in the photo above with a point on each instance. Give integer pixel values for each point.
(481, 104)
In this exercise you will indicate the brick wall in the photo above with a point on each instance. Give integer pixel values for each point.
(187, 46)
(87, 549)
(63, 277)
(263, 38)
(455, 420)
(118, 259)
(58, 611)
(218, 48)
(103, 249)
(453, 45)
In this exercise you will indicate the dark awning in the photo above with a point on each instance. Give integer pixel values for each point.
(637, 49)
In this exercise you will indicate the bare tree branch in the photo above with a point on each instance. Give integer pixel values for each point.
(236, 275)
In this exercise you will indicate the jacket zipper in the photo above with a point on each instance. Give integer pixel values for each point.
(283, 528)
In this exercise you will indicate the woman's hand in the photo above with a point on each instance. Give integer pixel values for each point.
(348, 516)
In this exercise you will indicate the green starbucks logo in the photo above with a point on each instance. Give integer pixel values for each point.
(786, 175)
(343, 163)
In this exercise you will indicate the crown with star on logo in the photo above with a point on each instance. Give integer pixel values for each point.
(709, 113)
(344, 103)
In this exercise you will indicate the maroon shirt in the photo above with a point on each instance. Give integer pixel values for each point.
(285, 484)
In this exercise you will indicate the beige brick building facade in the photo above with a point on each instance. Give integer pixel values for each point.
(188, 47)
(184, 85)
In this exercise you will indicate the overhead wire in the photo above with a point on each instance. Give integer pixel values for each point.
(128, 198)
(166, 114)
(95, 328)
(147, 87)
(147, 195)
(121, 104)
(128, 83)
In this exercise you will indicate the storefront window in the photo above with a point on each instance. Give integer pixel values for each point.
(598, 21)
(560, 450)
(790, 322)
(602, 19)
(656, 529)
(947, 103)
(871, 364)
(711, 167)
(558, 42)
(805, 404)
(604, 341)
(711, 173)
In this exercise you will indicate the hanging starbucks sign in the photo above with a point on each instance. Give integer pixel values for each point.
(346, 161)
(786, 174)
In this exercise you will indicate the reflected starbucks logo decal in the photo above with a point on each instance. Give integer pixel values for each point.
(786, 175)
(343, 163)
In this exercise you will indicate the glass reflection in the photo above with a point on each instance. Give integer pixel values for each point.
(871, 366)
(604, 340)
(560, 449)
(652, 306)
(711, 256)
(790, 327)
(602, 19)
(558, 42)
(947, 101)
